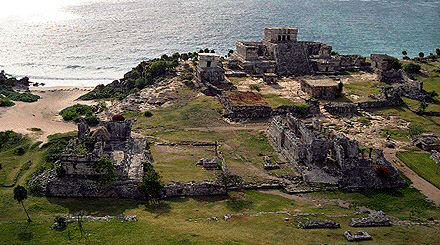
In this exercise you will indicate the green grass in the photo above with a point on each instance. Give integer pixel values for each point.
(186, 221)
(422, 165)
(396, 134)
(275, 100)
(236, 80)
(362, 89)
(431, 124)
(404, 203)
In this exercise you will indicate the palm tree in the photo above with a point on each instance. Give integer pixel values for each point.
(20, 193)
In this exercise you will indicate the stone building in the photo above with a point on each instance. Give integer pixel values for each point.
(280, 52)
(330, 159)
(210, 69)
(76, 174)
(321, 88)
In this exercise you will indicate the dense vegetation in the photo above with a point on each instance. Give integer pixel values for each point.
(7, 93)
(146, 73)
(83, 112)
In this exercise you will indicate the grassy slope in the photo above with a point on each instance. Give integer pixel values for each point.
(422, 165)
(186, 220)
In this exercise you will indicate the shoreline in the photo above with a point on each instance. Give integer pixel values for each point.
(43, 114)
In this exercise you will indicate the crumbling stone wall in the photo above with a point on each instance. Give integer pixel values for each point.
(80, 177)
(341, 108)
(204, 188)
(325, 159)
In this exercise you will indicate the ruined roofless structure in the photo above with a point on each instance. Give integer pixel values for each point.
(77, 175)
(280, 52)
(337, 160)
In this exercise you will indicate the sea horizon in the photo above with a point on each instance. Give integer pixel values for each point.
(88, 42)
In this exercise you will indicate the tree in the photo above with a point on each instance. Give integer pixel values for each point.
(437, 51)
(20, 194)
(421, 55)
(227, 179)
(404, 53)
(151, 185)
(106, 170)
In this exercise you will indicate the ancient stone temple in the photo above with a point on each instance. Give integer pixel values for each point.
(210, 69)
(280, 52)
(76, 174)
(331, 159)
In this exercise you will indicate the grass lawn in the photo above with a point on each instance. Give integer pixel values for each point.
(187, 221)
(422, 165)
(362, 90)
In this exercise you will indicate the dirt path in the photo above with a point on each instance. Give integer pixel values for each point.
(43, 113)
(429, 190)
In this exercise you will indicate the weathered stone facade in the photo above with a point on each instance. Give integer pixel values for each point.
(210, 69)
(322, 158)
(341, 108)
(238, 112)
(77, 172)
(359, 236)
(280, 52)
(321, 88)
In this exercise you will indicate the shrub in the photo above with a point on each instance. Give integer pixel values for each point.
(59, 222)
(9, 138)
(92, 120)
(432, 94)
(74, 112)
(382, 172)
(106, 170)
(395, 64)
(416, 129)
(148, 114)
(4, 102)
(118, 117)
(19, 151)
(255, 87)
(412, 68)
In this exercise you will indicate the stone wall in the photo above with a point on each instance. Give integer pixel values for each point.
(341, 108)
(332, 160)
(204, 188)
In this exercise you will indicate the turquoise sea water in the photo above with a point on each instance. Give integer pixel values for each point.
(85, 42)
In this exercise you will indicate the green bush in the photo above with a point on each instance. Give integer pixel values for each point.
(19, 151)
(416, 129)
(255, 87)
(5, 102)
(9, 138)
(148, 114)
(412, 68)
(81, 112)
(106, 170)
(11, 94)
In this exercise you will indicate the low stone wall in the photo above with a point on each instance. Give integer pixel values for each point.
(204, 188)
(339, 108)
(374, 219)
(374, 104)
(359, 236)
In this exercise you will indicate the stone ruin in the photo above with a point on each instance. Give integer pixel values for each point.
(76, 175)
(280, 52)
(269, 165)
(358, 236)
(242, 106)
(427, 142)
(374, 219)
(321, 88)
(331, 159)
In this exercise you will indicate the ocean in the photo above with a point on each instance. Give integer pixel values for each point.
(88, 42)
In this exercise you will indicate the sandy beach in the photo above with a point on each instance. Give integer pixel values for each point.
(43, 113)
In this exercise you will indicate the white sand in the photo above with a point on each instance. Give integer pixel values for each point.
(42, 114)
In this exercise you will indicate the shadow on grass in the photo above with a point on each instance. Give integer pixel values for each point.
(159, 208)
(26, 235)
(96, 206)
(387, 192)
